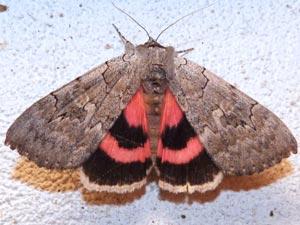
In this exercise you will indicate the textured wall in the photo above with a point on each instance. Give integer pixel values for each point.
(252, 44)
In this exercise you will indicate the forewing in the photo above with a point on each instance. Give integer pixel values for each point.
(65, 127)
(240, 135)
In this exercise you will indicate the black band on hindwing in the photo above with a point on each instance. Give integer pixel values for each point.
(198, 171)
(176, 137)
(127, 136)
(103, 170)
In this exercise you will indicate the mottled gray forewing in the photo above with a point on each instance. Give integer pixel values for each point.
(240, 135)
(64, 128)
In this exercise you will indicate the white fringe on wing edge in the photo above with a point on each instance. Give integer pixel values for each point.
(91, 186)
(192, 188)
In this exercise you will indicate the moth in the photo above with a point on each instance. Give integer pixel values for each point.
(151, 108)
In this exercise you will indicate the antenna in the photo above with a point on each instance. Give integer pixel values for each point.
(120, 34)
(181, 18)
(134, 20)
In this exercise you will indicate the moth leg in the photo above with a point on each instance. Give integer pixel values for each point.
(123, 159)
(185, 51)
(182, 161)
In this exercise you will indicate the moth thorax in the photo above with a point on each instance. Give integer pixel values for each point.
(155, 82)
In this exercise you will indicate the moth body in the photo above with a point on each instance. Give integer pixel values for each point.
(159, 63)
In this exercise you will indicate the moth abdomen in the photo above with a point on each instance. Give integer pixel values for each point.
(153, 105)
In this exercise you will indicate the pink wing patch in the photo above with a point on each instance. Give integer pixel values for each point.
(128, 139)
(179, 143)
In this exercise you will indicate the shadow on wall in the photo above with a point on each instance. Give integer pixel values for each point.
(68, 180)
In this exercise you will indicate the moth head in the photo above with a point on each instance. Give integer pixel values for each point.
(155, 53)
(157, 60)
(158, 64)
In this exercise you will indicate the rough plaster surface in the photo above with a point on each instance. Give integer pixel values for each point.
(252, 44)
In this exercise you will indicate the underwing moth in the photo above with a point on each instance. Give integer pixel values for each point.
(151, 109)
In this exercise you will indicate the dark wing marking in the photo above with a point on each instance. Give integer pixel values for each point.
(65, 127)
(240, 135)
(182, 161)
(102, 173)
(123, 159)
(198, 175)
